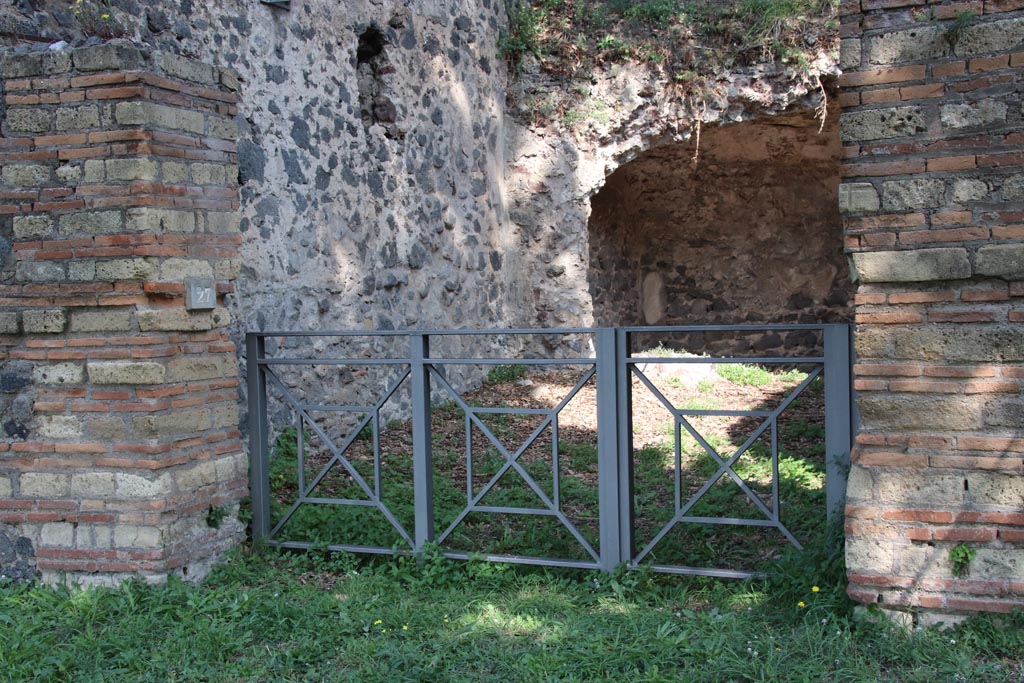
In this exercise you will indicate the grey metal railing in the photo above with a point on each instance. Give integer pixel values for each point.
(612, 370)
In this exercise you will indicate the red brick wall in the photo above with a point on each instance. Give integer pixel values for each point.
(933, 202)
(118, 178)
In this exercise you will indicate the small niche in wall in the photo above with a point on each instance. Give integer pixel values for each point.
(372, 66)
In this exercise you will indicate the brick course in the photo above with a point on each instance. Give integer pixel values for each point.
(118, 181)
(932, 123)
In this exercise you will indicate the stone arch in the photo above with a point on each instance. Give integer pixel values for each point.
(741, 226)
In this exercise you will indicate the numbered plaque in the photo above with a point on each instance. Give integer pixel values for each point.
(200, 294)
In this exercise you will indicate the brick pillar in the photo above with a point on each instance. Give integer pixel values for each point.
(933, 204)
(119, 405)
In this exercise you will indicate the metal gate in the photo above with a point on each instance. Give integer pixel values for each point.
(420, 380)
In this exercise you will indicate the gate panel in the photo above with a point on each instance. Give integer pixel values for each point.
(349, 455)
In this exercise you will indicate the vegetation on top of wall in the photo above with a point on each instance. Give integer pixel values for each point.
(690, 41)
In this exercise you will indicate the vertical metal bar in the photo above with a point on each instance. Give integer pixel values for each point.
(838, 435)
(300, 453)
(776, 514)
(422, 457)
(469, 459)
(555, 492)
(678, 436)
(376, 452)
(624, 400)
(259, 453)
(608, 426)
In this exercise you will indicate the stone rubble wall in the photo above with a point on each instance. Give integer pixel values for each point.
(933, 204)
(120, 407)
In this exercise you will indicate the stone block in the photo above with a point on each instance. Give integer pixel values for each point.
(229, 78)
(222, 222)
(130, 536)
(93, 536)
(126, 372)
(24, 120)
(160, 220)
(116, 55)
(80, 270)
(915, 487)
(6, 489)
(160, 115)
(225, 415)
(91, 222)
(905, 412)
(186, 69)
(59, 373)
(174, 172)
(913, 45)
(225, 129)
(1001, 260)
(915, 193)
(93, 485)
(69, 174)
(232, 467)
(922, 561)
(34, 64)
(101, 321)
(993, 488)
(849, 54)
(998, 563)
(1013, 188)
(178, 319)
(138, 486)
(990, 37)
(870, 554)
(57, 534)
(208, 174)
(30, 227)
(200, 474)
(25, 175)
(43, 485)
(78, 118)
(878, 124)
(40, 271)
(959, 343)
(857, 198)
(94, 171)
(969, 190)
(59, 427)
(177, 269)
(131, 169)
(971, 114)
(106, 428)
(127, 269)
(921, 265)
(227, 269)
(45, 321)
(859, 484)
(193, 367)
(172, 424)
(9, 323)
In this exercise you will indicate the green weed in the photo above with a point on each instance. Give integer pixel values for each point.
(503, 374)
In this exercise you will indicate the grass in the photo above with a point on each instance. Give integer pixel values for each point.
(310, 617)
(754, 375)
(688, 42)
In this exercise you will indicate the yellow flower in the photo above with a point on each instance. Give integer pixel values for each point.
(405, 627)
(801, 604)
(378, 622)
(815, 589)
(104, 16)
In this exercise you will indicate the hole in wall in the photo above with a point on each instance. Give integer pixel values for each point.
(966, 486)
(749, 233)
(372, 67)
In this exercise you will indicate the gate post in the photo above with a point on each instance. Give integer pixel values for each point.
(838, 427)
(422, 455)
(259, 456)
(608, 493)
